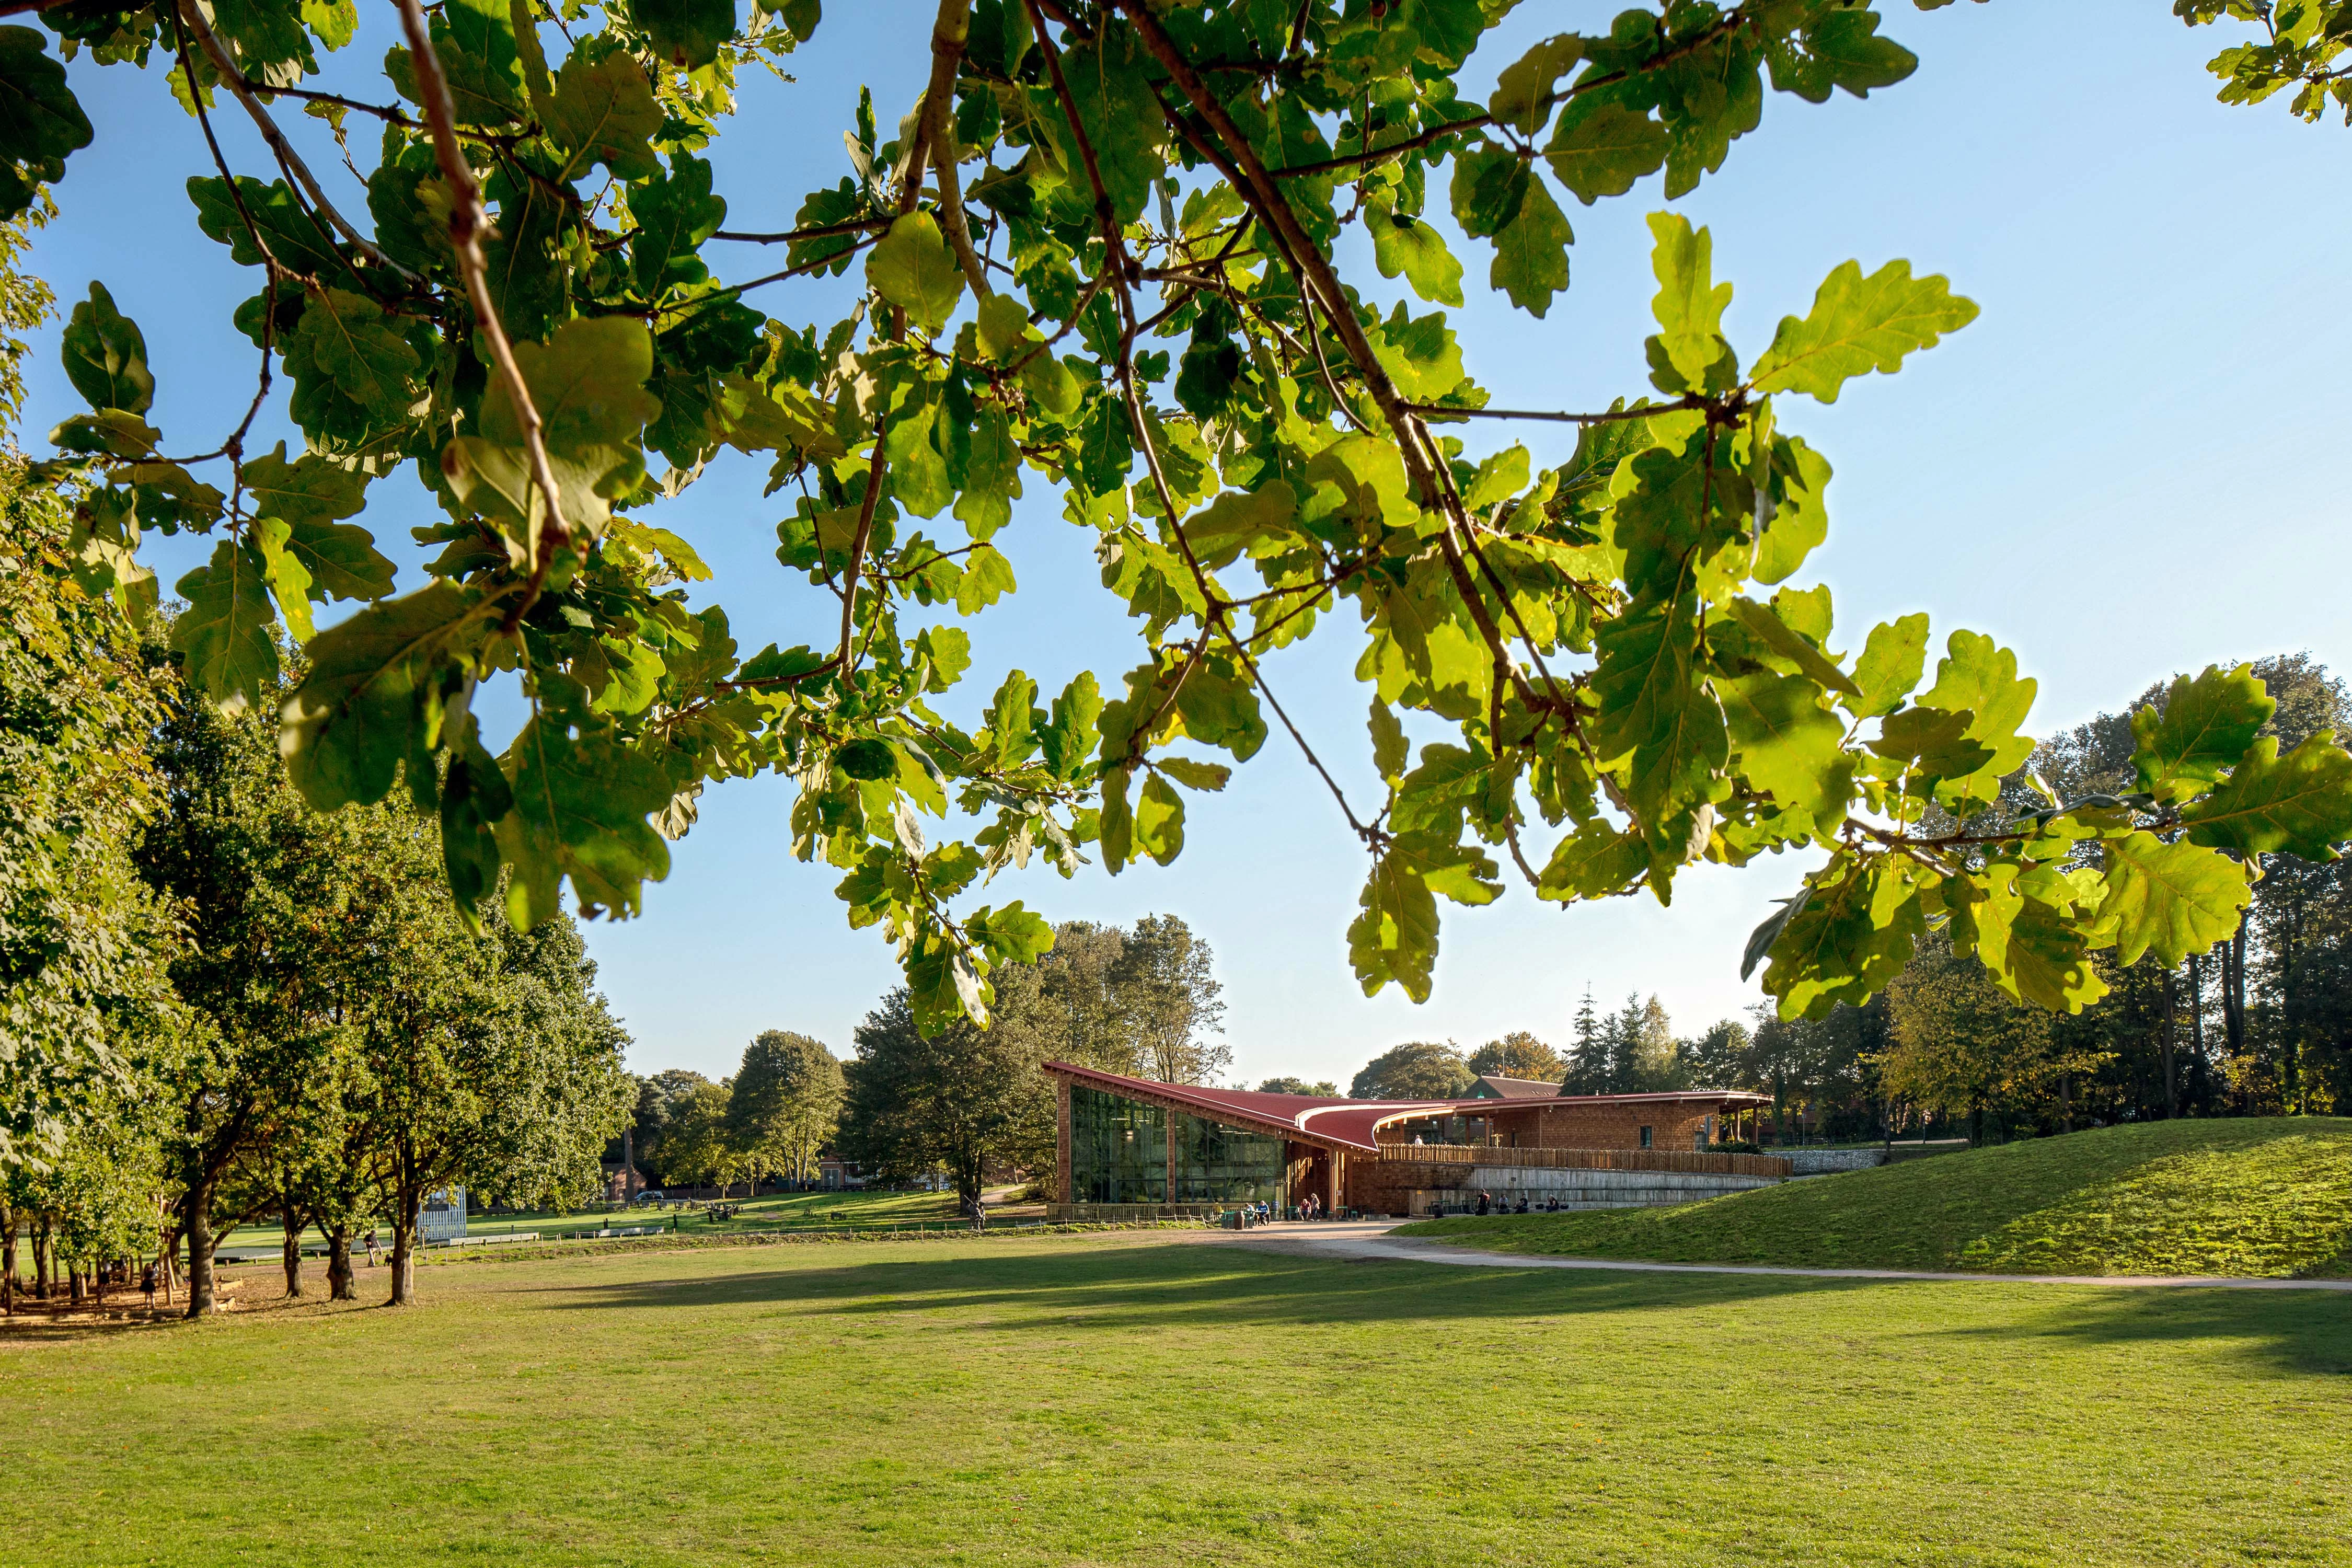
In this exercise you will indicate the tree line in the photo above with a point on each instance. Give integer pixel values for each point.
(911, 1100)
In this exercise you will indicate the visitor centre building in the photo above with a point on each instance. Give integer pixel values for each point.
(1132, 1148)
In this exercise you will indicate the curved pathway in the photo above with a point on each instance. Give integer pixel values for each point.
(1369, 1239)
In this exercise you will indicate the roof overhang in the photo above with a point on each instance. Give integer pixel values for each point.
(1348, 1124)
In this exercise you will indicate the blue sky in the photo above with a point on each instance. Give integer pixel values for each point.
(2120, 470)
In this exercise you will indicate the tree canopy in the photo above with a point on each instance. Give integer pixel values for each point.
(1098, 258)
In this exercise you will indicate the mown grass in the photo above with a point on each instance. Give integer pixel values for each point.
(2225, 1197)
(1124, 1400)
(754, 1214)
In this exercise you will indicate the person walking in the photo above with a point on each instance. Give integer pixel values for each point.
(371, 1246)
(1484, 1201)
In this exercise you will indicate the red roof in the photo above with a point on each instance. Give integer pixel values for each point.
(1341, 1122)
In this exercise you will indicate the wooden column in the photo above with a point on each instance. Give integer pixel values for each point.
(1331, 1187)
(1168, 1193)
(1062, 1141)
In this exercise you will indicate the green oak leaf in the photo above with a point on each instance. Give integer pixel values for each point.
(675, 213)
(580, 806)
(1978, 676)
(686, 33)
(1600, 151)
(1889, 668)
(288, 579)
(1841, 50)
(376, 694)
(1067, 737)
(1689, 303)
(2172, 898)
(40, 122)
(2035, 952)
(2204, 726)
(1159, 820)
(1522, 98)
(226, 634)
(2298, 805)
(1407, 247)
(912, 267)
(1860, 324)
(1393, 938)
(1788, 745)
(1657, 715)
(1846, 939)
(1594, 862)
(105, 356)
(1776, 635)
(603, 113)
(354, 373)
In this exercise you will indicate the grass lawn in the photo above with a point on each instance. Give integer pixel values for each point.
(1133, 1398)
(756, 1213)
(2251, 1198)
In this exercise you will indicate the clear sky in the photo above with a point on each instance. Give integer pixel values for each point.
(2121, 470)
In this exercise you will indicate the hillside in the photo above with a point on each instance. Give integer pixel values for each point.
(2255, 1197)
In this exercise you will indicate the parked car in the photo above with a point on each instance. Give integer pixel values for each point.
(650, 1195)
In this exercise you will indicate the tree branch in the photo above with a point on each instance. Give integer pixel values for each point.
(466, 220)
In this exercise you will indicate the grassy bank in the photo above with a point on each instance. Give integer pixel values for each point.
(1138, 1400)
(2228, 1197)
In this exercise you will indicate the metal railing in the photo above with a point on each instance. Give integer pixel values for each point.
(1688, 1160)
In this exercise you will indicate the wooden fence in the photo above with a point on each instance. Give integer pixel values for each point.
(1691, 1160)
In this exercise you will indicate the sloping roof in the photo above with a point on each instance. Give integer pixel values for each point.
(1334, 1122)
(1497, 1087)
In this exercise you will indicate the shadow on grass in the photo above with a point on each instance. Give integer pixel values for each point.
(2296, 1331)
(1146, 1288)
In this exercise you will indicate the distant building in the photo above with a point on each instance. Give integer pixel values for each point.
(1127, 1143)
(442, 1216)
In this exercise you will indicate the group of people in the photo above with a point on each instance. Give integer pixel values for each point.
(1489, 1204)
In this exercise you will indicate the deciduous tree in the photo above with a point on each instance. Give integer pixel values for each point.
(1096, 255)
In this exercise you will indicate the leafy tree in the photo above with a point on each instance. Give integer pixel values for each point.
(1299, 1086)
(960, 1097)
(2300, 44)
(1166, 985)
(1096, 255)
(1718, 1059)
(1961, 1044)
(1418, 1069)
(1518, 1055)
(701, 1147)
(661, 1100)
(1588, 1064)
(784, 1102)
(82, 941)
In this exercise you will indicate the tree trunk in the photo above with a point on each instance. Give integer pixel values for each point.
(8, 1260)
(2171, 1088)
(198, 1208)
(2233, 996)
(2065, 1103)
(339, 1264)
(404, 1248)
(291, 1224)
(2201, 1081)
(74, 1293)
(43, 1259)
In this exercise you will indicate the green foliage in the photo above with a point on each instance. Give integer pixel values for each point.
(1418, 1069)
(1113, 279)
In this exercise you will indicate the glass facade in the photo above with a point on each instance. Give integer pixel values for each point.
(1218, 1164)
(1118, 1149)
(1454, 1130)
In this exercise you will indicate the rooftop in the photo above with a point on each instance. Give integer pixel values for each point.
(1338, 1122)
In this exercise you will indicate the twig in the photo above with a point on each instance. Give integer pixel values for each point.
(857, 545)
(817, 231)
(467, 219)
(287, 158)
(1611, 416)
